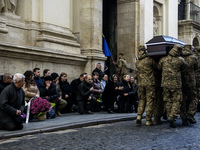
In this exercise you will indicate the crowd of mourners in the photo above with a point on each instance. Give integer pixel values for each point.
(166, 87)
(85, 95)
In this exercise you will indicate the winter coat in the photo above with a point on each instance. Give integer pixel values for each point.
(83, 91)
(31, 91)
(65, 88)
(74, 85)
(188, 76)
(146, 69)
(52, 92)
(110, 92)
(99, 72)
(97, 86)
(11, 100)
(2, 84)
(38, 81)
(103, 85)
(171, 66)
(126, 89)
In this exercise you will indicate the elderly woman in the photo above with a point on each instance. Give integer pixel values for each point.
(30, 87)
(12, 104)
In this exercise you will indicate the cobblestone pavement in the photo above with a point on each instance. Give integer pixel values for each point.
(116, 136)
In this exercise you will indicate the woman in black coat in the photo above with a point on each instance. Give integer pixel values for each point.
(123, 104)
(109, 95)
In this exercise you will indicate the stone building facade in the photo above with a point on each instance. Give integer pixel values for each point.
(189, 22)
(66, 35)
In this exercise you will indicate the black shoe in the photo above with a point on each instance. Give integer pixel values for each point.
(185, 123)
(110, 111)
(191, 119)
(171, 122)
(88, 112)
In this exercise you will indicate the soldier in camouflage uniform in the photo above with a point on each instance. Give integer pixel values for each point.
(197, 75)
(146, 81)
(121, 66)
(189, 104)
(171, 66)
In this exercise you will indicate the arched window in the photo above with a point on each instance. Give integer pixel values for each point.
(195, 42)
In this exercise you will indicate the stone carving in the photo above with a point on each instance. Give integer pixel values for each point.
(8, 6)
(155, 26)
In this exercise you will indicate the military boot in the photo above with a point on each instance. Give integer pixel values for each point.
(171, 122)
(185, 122)
(157, 120)
(139, 119)
(191, 119)
(149, 123)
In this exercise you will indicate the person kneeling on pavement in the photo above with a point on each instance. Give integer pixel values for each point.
(60, 103)
(84, 96)
(12, 104)
(49, 92)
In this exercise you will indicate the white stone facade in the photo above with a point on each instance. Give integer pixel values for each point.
(66, 35)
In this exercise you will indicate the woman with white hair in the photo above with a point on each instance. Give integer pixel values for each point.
(12, 104)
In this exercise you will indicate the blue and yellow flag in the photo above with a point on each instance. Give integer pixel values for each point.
(106, 49)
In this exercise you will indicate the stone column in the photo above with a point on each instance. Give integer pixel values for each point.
(91, 32)
(187, 9)
(127, 33)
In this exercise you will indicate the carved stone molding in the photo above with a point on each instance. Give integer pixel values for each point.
(125, 1)
(40, 54)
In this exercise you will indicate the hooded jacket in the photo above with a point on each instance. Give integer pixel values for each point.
(172, 65)
(146, 69)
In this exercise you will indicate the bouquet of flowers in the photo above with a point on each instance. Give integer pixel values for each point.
(39, 106)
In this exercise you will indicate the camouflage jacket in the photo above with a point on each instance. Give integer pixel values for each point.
(188, 76)
(122, 66)
(197, 72)
(171, 66)
(146, 69)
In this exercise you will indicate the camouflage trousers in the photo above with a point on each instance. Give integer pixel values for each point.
(189, 104)
(159, 104)
(146, 99)
(172, 99)
(60, 104)
(198, 91)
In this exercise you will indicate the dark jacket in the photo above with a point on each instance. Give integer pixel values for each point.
(52, 92)
(99, 72)
(65, 88)
(38, 81)
(110, 92)
(97, 86)
(11, 100)
(127, 88)
(2, 84)
(74, 85)
(84, 91)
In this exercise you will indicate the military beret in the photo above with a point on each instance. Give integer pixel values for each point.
(121, 53)
(48, 78)
(142, 48)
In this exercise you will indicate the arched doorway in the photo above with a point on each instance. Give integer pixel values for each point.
(195, 42)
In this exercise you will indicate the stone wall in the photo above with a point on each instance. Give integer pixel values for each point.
(42, 34)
